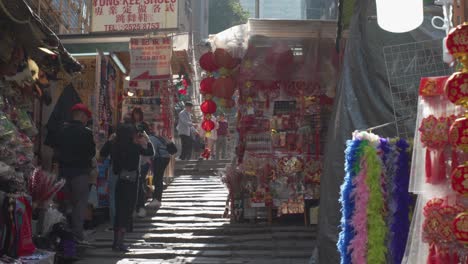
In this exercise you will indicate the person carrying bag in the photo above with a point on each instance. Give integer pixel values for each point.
(125, 150)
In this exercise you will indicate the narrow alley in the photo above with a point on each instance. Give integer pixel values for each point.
(190, 228)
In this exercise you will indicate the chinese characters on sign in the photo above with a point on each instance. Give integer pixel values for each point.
(150, 58)
(133, 15)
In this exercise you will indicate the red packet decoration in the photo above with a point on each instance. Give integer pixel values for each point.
(438, 231)
(456, 88)
(434, 136)
(460, 228)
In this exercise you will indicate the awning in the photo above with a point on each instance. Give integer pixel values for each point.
(21, 26)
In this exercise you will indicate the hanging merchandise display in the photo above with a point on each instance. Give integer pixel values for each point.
(282, 116)
(439, 230)
(219, 83)
(375, 200)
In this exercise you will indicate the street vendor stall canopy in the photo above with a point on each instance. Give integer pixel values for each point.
(21, 27)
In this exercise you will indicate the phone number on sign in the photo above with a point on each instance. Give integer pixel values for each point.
(132, 27)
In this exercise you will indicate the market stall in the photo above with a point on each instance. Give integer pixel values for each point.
(286, 84)
(438, 173)
(30, 56)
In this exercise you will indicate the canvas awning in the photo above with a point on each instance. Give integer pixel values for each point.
(21, 26)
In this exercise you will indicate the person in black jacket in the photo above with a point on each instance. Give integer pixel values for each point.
(75, 151)
(125, 150)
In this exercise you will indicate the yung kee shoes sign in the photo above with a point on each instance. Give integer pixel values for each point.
(133, 15)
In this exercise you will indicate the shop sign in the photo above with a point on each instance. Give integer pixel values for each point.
(150, 58)
(149, 105)
(133, 15)
(137, 85)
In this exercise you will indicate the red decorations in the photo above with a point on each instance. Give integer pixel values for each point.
(460, 180)
(224, 87)
(459, 134)
(457, 40)
(434, 136)
(208, 125)
(456, 88)
(460, 228)
(208, 107)
(434, 131)
(206, 85)
(224, 59)
(207, 62)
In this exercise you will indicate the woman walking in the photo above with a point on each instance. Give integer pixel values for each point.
(125, 150)
(160, 162)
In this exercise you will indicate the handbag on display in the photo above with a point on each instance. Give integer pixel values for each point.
(130, 176)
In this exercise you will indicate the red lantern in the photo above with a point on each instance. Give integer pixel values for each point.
(460, 228)
(458, 134)
(206, 85)
(208, 107)
(223, 58)
(208, 125)
(460, 180)
(207, 62)
(224, 87)
(457, 41)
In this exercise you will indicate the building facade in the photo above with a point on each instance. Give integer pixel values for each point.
(291, 9)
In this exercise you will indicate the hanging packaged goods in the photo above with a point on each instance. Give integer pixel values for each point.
(283, 107)
(438, 174)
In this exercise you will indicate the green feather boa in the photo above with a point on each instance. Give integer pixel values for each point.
(377, 230)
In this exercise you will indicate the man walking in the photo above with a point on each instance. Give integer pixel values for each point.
(185, 128)
(75, 152)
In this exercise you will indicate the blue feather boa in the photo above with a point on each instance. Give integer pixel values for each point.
(352, 158)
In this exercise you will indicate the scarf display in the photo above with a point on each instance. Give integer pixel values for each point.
(375, 200)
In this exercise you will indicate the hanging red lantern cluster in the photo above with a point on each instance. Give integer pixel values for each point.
(220, 66)
(219, 83)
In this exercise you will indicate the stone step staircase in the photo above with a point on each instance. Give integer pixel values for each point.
(200, 167)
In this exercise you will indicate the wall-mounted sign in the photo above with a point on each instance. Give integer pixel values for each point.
(150, 58)
(133, 15)
(137, 85)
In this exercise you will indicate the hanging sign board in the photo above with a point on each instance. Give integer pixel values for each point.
(151, 107)
(133, 15)
(150, 58)
(137, 85)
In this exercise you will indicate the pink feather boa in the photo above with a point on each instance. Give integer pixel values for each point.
(358, 246)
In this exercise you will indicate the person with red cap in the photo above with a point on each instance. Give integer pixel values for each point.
(75, 152)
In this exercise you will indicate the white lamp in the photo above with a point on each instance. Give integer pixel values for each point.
(399, 16)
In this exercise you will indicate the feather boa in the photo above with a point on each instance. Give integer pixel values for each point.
(358, 245)
(352, 167)
(377, 230)
(400, 225)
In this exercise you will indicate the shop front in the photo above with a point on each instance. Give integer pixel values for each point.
(31, 57)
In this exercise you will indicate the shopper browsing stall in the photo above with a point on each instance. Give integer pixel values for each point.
(125, 150)
(185, 128)
(75, 151)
